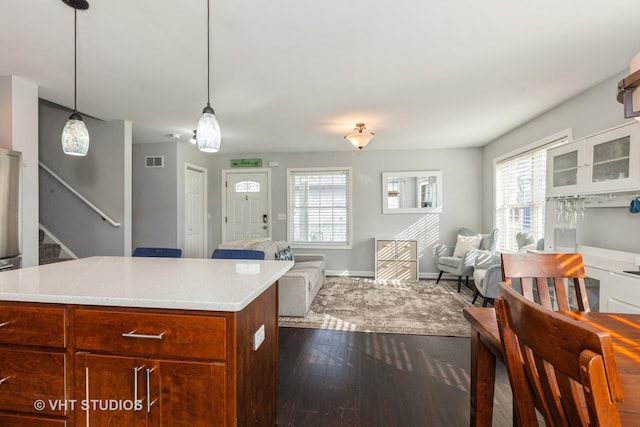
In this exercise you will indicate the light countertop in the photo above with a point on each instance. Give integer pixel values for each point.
(173, 283)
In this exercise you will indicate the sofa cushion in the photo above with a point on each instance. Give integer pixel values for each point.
(450, 261)
(317, 265)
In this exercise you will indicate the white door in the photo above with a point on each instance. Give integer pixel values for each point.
(247, 213)
(195, 212)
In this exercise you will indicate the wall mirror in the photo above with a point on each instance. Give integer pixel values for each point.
(412, 192)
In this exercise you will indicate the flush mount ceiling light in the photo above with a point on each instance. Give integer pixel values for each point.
(627, 93)
(208, 130)
(75, 136)
(360, 139)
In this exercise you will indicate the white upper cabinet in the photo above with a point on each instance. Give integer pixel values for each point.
(606, 162)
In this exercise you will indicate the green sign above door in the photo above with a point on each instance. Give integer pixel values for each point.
(246, 163)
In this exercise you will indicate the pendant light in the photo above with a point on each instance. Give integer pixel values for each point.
(75, 136)
(208, 129)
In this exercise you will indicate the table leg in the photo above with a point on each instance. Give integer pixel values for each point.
(483, 374)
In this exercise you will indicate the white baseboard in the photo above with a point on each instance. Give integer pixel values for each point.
(369, 273)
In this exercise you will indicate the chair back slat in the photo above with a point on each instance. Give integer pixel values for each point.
(543, 269)
(563, 367)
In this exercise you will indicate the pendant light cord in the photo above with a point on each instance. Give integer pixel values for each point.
(75, 59)
(208, 54)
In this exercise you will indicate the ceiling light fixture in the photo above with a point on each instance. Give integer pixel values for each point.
(627, 93)
(208, 129)
(193, 138)
(75, 136)
(360, 139)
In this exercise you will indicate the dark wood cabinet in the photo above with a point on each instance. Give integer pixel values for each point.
(140, 367)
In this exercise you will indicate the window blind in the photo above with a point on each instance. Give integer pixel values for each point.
(520, 187)
(319, 206)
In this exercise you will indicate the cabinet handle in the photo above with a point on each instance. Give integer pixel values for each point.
(135, 382)
(3, 324)
(6, 267)
(149, 402)
(4, 379)
(133, 334)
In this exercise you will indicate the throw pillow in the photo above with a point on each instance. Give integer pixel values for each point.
(285, 255)
(465, 244)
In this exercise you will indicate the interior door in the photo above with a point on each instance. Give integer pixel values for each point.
(247, 205)
(194, 214)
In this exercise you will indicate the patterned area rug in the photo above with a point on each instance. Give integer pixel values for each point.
(362, 304)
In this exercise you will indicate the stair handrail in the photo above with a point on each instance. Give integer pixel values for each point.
(103, 215)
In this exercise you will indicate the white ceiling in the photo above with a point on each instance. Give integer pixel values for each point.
(295, 75)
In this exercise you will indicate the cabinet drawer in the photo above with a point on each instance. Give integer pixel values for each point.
(32, 326)
(406, 271)
(11, 420)
(386, 249)
(406, 250)
(151, 334)
(385, 270)
(29, 376)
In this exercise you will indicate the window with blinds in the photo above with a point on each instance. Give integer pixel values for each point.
(319, 205)
(520, 182)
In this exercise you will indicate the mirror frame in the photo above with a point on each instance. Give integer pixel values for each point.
(412, 174)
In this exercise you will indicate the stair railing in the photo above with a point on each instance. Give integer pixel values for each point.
(103, 215)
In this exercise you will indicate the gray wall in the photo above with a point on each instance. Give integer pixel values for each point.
(154, 197)
(102, 177)
(461, 188)
(591, 111)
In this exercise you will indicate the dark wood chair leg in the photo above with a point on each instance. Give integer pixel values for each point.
(459, 282)
(466, 283)
(439, 276)
(475, 295)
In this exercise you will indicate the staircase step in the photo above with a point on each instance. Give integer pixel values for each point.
(49, 250)
(53, 260)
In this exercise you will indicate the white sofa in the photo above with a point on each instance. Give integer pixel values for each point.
(300, 285)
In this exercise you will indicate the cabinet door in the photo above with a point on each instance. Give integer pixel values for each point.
(101, 380)
(612, 160)
(564, 169)
(187, 394)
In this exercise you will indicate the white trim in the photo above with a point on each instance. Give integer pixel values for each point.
(240, 171)
(205, 203)
(568, 133)
(63, 247)
(349, 231)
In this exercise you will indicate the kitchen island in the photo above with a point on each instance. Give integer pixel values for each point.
(140, 341)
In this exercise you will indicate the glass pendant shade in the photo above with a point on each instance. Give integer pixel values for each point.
(208, 131)
(75, 136)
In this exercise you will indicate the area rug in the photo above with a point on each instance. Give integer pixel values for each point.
(362, 304)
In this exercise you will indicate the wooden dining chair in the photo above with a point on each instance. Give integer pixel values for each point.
(541, 269)
(557, 365)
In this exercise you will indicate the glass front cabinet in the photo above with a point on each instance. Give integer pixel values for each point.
(606, 162)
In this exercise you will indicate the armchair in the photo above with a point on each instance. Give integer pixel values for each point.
(460, 263)
(487, 271)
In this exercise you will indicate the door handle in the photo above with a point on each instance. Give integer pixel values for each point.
(264, 218)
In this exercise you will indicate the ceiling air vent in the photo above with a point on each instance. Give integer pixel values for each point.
(154, 161)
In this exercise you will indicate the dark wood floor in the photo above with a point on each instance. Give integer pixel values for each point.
(352, 379)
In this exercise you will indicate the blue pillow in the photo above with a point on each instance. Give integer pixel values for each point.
(285, 255)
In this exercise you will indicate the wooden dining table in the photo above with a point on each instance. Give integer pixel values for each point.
(486, 348)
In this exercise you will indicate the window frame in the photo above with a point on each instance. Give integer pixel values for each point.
(320, 245)
(551, 141)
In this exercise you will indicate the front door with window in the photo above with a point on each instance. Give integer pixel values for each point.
(246, 205)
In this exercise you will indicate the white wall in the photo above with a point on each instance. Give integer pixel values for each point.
(19, 132)
(589, 112)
